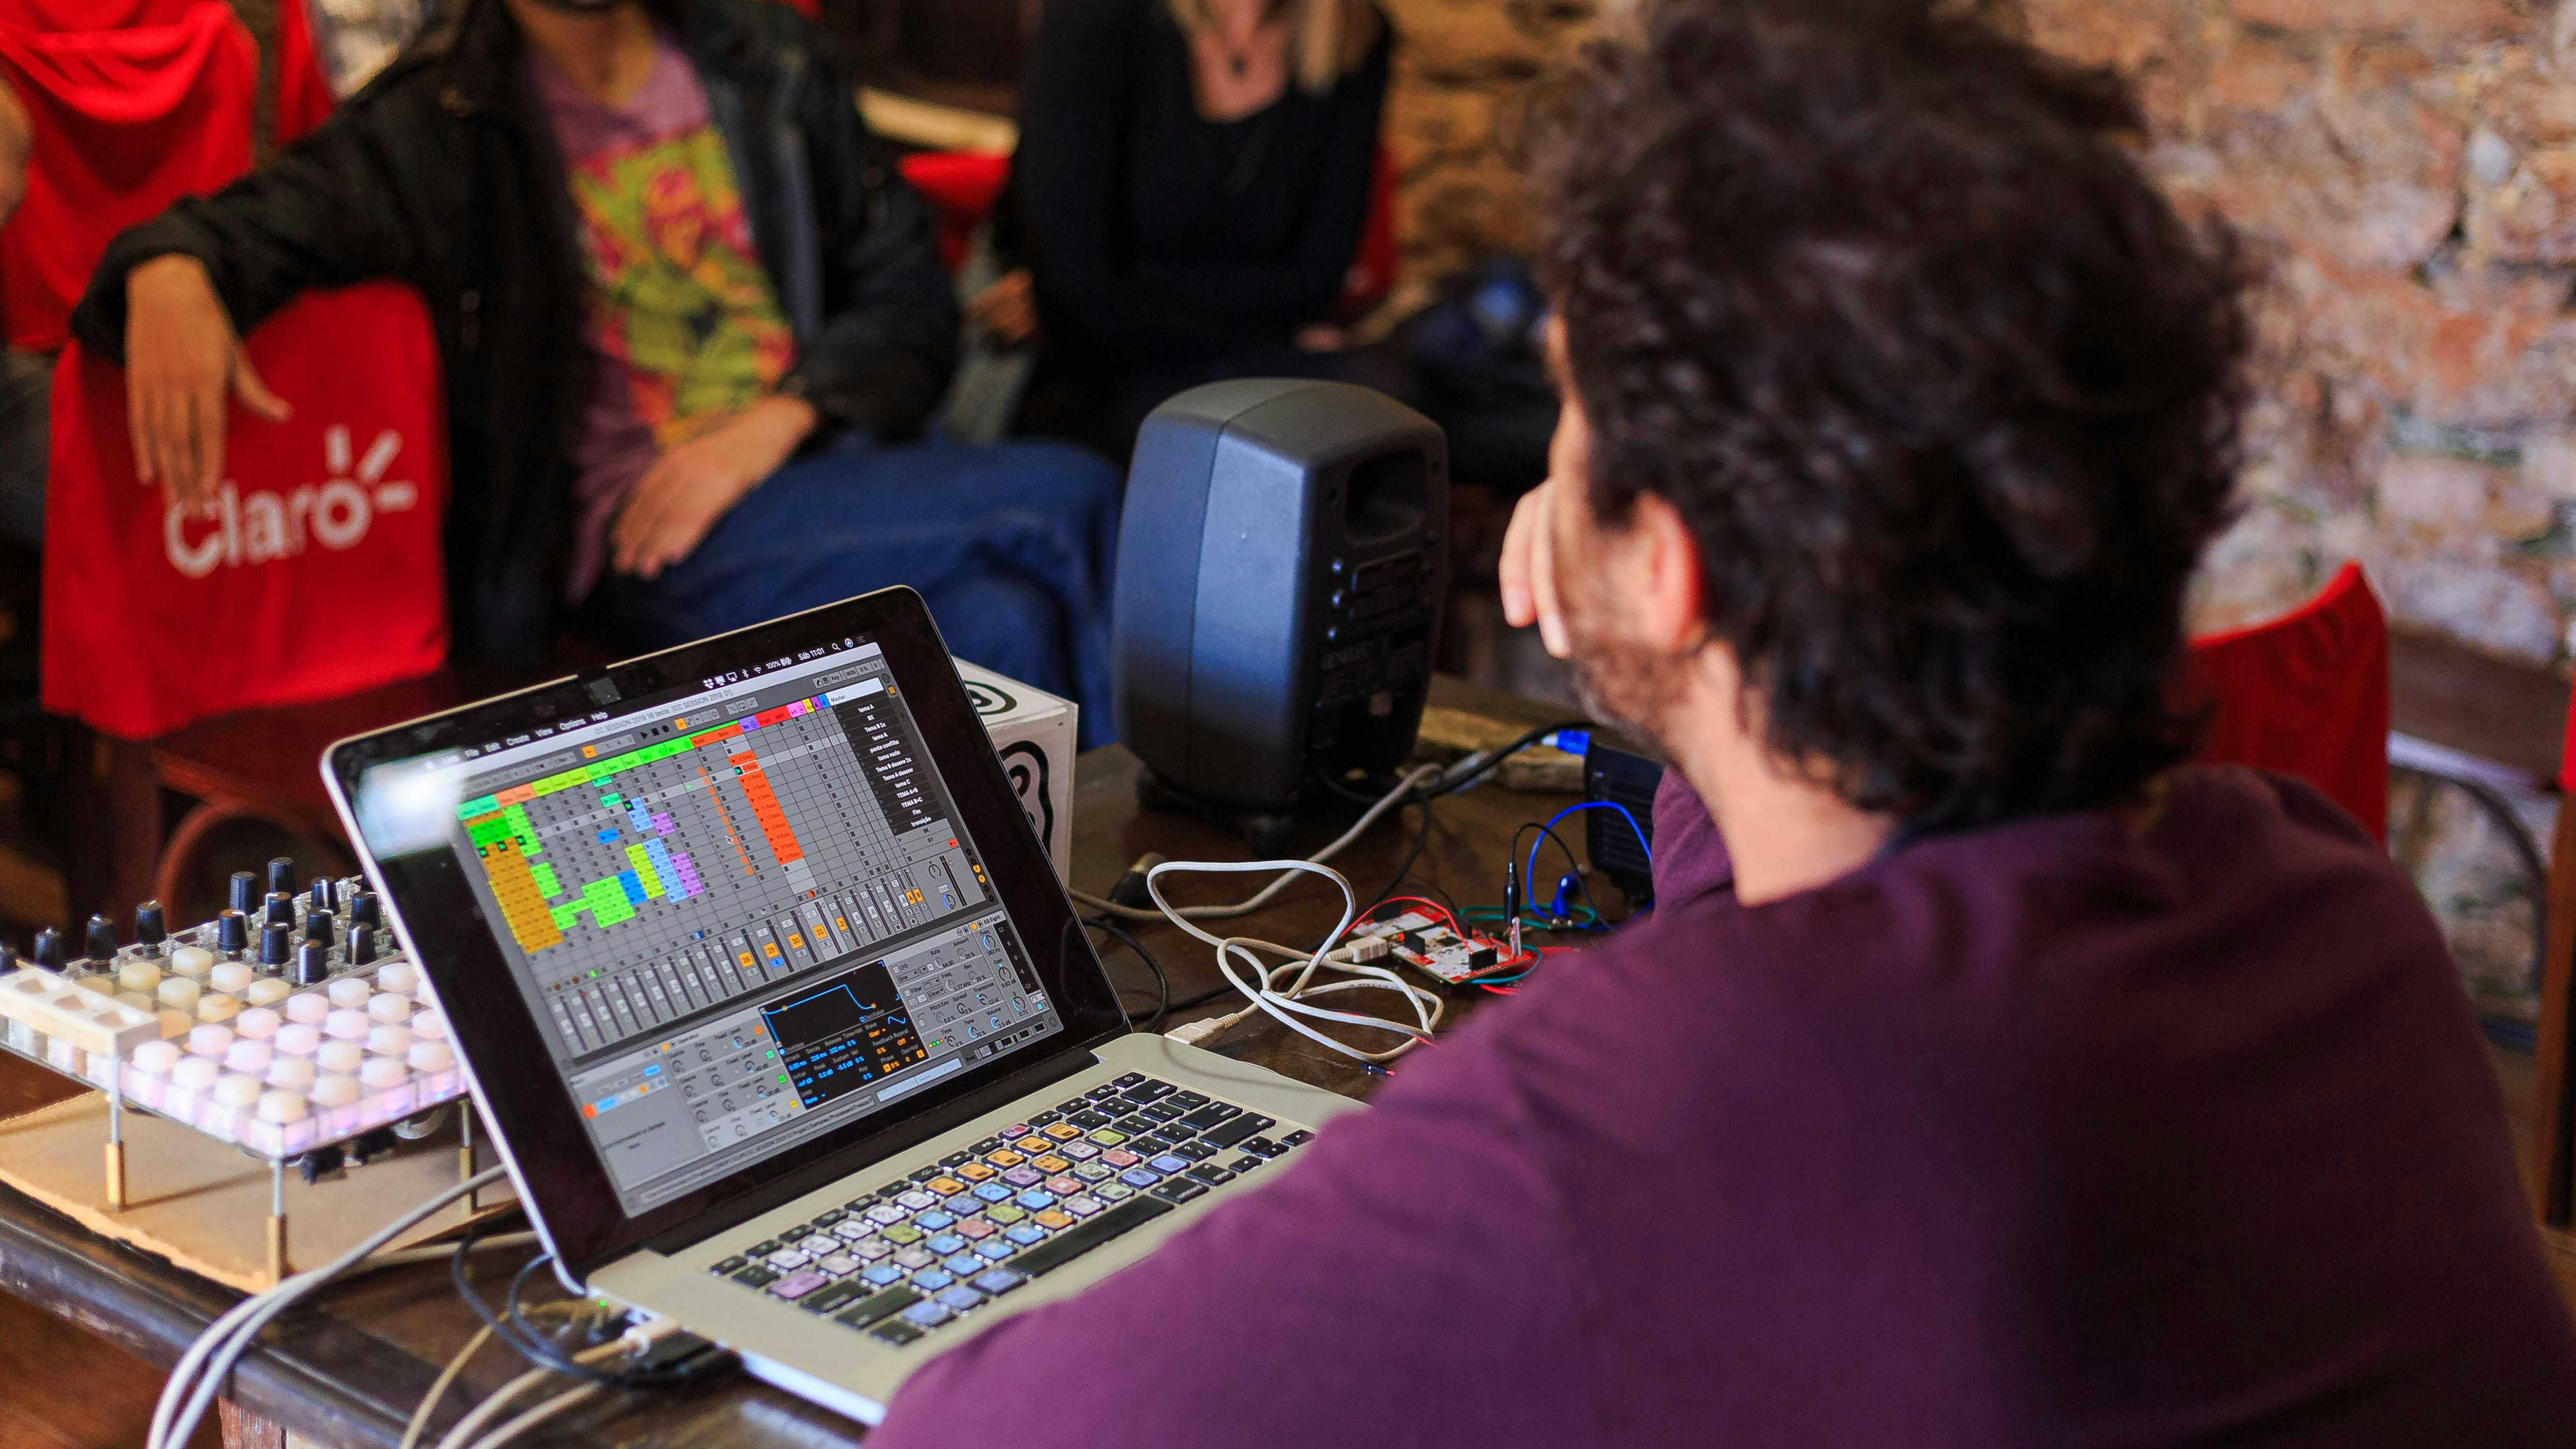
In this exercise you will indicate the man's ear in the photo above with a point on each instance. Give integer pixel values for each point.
(1667, 592)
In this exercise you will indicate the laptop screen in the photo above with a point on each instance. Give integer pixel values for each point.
(743, 912)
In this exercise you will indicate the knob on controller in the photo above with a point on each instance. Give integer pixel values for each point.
(232, 934)
(324, 894)
(365, 909)
(281, 875)
(312, 964)
(49, 949)
(150, 929)
(275, 945)
(99, 942)
(279, 910)
(362, 946)
(318, 927)
(245, 892)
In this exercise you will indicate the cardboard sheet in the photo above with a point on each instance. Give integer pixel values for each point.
(204, 1205)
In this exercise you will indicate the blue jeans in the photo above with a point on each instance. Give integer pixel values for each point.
(1011, 544)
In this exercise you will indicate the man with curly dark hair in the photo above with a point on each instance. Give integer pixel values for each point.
(1985, 1075)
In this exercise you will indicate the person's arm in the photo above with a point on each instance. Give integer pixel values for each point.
(1408, 1278)
(888, 343)
(173, 296)
(17, 139)
(1069, 183)
(1300, 288)
(327, 212)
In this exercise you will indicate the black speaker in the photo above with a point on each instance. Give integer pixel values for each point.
(1281, 568)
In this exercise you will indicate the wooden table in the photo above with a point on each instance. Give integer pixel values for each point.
(349, 1371)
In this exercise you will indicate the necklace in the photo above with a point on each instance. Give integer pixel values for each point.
(1238, 53)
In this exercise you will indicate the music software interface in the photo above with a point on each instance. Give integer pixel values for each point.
(745, 917)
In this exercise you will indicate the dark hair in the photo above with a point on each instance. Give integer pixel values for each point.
(1875, 295)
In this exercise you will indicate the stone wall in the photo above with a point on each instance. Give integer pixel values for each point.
(1458, 197)
(2406, 170)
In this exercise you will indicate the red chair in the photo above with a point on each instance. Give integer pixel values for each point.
(2555, 1185)
(1372, 273)
(2306, 695)
(963, 186)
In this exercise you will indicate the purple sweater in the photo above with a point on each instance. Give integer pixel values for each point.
(2043, 1135)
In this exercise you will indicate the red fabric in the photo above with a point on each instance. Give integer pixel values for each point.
(810, 9)
(125, 122)
(2567, 752)
(1372, 273)
(2306, 695)
(304, 97)
(320, 573)
(65, 16)
(963, 185)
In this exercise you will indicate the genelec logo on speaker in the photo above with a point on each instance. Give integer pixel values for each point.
(265, 527)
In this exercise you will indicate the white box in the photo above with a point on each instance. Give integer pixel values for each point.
(1033, 732)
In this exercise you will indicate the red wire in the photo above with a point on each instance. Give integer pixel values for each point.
(1441, 911)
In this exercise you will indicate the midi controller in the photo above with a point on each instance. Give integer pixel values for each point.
(289, 1023)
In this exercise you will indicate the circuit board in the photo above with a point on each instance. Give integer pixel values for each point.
(1432, 948)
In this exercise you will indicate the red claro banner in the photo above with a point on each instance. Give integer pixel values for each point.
(316, 571)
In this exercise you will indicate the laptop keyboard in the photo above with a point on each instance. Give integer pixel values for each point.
(924, 1251)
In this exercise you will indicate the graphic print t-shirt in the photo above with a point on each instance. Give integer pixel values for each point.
(684, 325)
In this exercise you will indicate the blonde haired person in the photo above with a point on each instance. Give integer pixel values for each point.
(1320, 41)
(1188, 197)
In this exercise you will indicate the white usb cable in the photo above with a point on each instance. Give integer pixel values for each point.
(209, 1361)
(1422, 779)
(1263, 986)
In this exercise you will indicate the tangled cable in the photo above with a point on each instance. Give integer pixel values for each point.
(1263, 989)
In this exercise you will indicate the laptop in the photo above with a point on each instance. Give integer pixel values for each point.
(782, 1022)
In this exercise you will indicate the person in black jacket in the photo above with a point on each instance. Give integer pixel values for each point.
(26, 378)
(1188, 196)
(689, 316)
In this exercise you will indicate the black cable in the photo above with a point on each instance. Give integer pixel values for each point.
(1162, 982)
(530, 1347)
(1368, 795)
(1495, 760)
(1582, 877)
(1572, 861)
(661, 1376)
(1421, 841)
(512, 1327)
(1203, 998)
(1428, 887)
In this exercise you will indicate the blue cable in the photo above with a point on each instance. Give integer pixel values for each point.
(1530, 872)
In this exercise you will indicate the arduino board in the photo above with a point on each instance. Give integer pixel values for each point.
(1432, 948)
